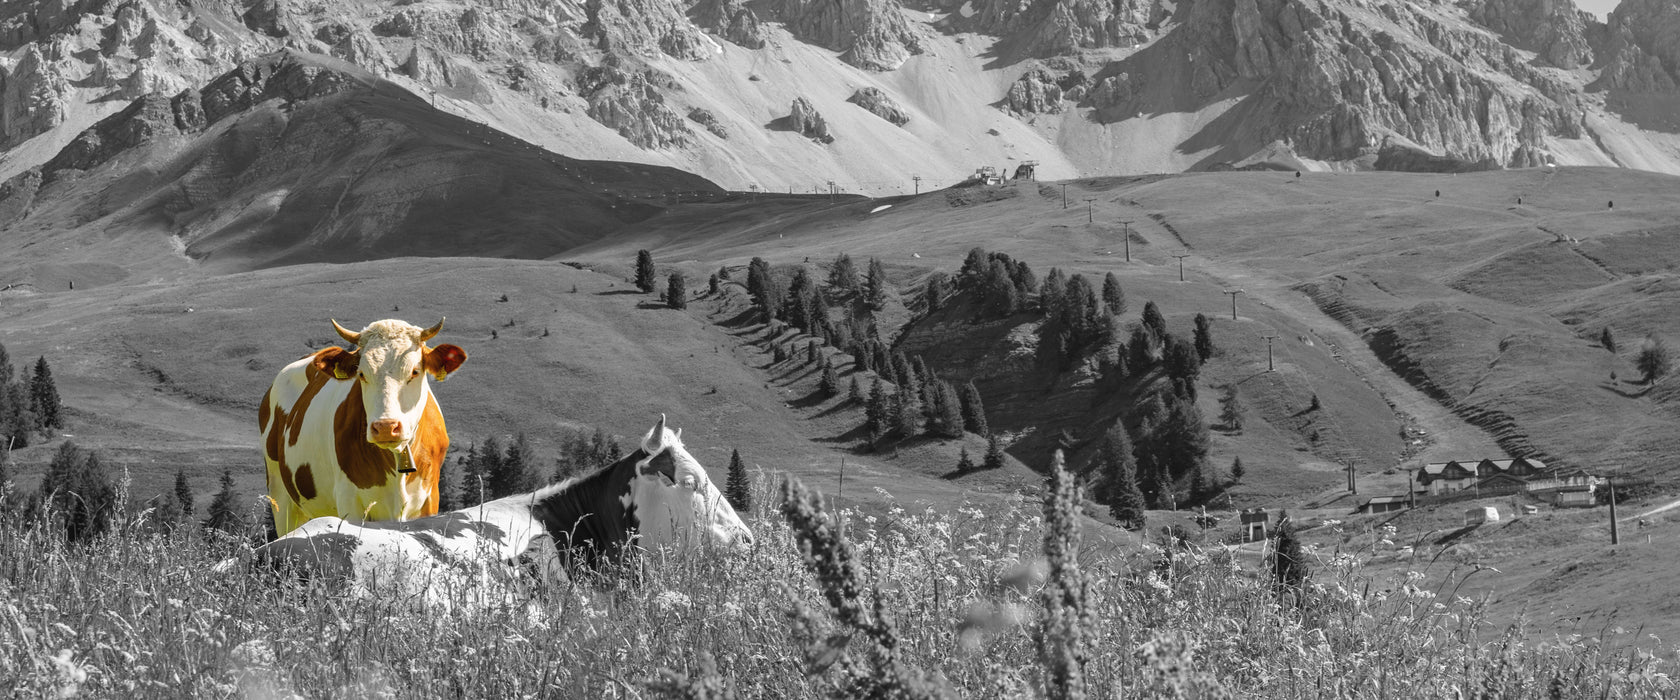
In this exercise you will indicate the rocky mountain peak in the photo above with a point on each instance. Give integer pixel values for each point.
(1045, 28)
(870, 34)
(1554, 29)
(1642, 47)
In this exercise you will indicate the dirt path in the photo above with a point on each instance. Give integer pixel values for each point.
(1446, 435)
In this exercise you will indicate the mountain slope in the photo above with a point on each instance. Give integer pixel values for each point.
(301, 158)
(1083, 88)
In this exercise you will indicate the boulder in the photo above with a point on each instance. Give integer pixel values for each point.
(880, 104)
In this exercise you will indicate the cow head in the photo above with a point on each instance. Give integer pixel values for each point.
(389, 365)
(674, 496)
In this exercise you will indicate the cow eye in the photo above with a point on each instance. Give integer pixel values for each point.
(416, 373)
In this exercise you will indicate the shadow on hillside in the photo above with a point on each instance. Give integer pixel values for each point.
(815, 398)
(1637, 393)
(619, 292)
(857, 434)
(836, 408)
(1456, 535)
(804, 370)
(739, 320)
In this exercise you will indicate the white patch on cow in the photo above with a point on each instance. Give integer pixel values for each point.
(393, 382)
(670, 512)
(967, 9)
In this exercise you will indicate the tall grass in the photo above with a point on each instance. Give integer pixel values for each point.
(959, 594)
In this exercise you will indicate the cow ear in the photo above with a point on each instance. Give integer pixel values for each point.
(443, 359)
(338, 362)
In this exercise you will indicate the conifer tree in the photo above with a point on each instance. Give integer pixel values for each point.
(1117, 475)
(1153, 320)
(1122, 366)
(842, 275)
(876, 413)
(946, 418)
(829, 385)
(1203, 338)
(1605, 338)
(1026, 283)
(1237, 470)
(511, 471)
(5, 473)
(994, 453)
(223, 512)
(713, 285)
(1180, 358)
(475, 486)
(875, 285)
(973, 410)
(644, 271)
(998, 290)
(1113, 297)
(183, 492)
(452, 486)
(812, 354)
(1230, 408)
(974, 267)
(855, 394)
(1653, 360)
(936, 291)
(738, 489)
(909, 414)
(7, 372)
(965, 464)
(1050, 293)
(676, 291)
(1141, 347)
(43, 396)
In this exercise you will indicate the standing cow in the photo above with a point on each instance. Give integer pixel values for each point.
(357, 433)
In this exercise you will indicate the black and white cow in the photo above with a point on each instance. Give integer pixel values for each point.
(657, 496)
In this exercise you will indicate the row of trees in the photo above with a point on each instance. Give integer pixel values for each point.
(491, 469)
(29, 403)
(79, 495)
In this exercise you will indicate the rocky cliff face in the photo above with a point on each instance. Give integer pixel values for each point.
(880, 104)
(1642, 47)
(732, 20)
(1340, 84)
(632, 105)
(1045, 28)
(1554, 29)
(870, 34)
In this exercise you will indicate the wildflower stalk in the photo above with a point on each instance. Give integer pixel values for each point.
(1061, 634)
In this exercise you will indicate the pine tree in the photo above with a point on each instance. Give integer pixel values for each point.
(183, 492)
(974, 267)
(1153, 320)
(738, 490)
(998, 290)
(7, 372)
(855, 394)
(875, 285)
(1605, 338)
(965, 464)
(1141, 346)
(5, 474)
(1203, 338)
(936, 291)
(947, 420)
(829, 385)
(1181, 362)
(973, 410)
(475, 487)
(43, 396)
(812, 354)
(994, 453)
(223, 512)
(1122, 366)
(676, 291)
(713, 285)
(1289, 564)
(508, 472)
(644, 271)
(1117, 474)
(1182, 440)
(1230, 408)
(766, 292)
(1113, 297)
(876, 414)
(909, 414)
(1051, 293)
(842, 275)
(1237, 470)
(452, 490)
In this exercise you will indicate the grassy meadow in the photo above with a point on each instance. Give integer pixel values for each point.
(903, 604)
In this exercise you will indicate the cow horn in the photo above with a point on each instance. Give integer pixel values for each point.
(427, 334)
(347, 334)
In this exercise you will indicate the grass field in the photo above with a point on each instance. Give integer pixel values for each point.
(955, 595)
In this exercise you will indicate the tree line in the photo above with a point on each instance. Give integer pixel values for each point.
(29, 403)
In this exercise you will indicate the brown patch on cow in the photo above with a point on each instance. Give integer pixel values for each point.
(317, 380)
(364, 464)
(262, 409)
(335, 361)
(442, 360)
(431, 443)
(305, 482)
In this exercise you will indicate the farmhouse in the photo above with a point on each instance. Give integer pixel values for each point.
(1499, 477)
(1456, 475)
(1383, 504)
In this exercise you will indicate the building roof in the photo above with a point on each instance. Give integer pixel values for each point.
(1473, 465)
(1380, 500)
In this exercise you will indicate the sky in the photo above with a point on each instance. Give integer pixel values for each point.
(1601, 8)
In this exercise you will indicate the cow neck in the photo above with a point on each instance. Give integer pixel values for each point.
(591, 513)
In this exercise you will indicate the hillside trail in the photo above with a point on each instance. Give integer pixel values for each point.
(1446, 436)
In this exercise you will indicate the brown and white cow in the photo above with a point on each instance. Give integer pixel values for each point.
(357, 433)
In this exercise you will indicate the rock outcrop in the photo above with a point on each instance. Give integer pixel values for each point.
(870, 34)
(732, 20)
(645, 26)
(1554, 29)
(805, 120)
(629, 104)
(1045, 28)
(31, 97)
(705, 118)
(1335, 86)
(1035, 92)
(1642, 48)
(880, 104)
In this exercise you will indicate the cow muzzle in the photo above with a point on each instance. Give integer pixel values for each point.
(386, 433)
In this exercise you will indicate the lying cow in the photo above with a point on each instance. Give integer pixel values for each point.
(656, 496)
(357, 433)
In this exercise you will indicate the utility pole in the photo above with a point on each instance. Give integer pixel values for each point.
(1234, 294)
(1064, 195)
(918, 180)
(1353, 481)
(831, 190)
(1127, 236)
(1089, 216)
(1181, 265)
(1615, 534)
(1269, 339)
